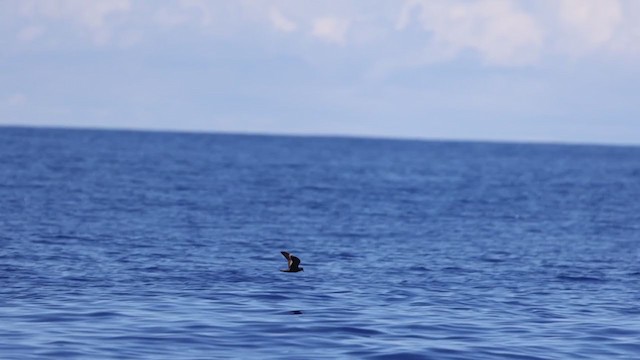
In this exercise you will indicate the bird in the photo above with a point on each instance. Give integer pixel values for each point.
(294, 262)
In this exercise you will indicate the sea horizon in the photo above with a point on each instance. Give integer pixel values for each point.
(325, 135)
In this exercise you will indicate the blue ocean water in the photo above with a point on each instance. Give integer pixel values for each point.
(131, 245)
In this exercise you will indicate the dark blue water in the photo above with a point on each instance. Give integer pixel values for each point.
(130, 245)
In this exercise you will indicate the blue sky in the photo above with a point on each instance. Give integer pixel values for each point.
(515, 70)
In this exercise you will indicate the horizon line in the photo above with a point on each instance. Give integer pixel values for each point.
(319, 135)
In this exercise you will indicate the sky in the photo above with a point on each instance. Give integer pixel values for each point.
(498, 70)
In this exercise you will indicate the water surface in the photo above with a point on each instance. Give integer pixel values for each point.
(129, 245)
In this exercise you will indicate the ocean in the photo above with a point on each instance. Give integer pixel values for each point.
(143, 245)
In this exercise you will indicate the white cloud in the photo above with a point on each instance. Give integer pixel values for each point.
(281, 22)
(589, 23)
(627, 39)
(30, 33)
(170, 17)
(331, 29)
(90, 14)
(202, 7)
(496, 29)
(410, 33)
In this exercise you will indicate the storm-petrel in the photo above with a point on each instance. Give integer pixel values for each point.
(294, 262)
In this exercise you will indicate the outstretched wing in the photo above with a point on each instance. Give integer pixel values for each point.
(289, 258)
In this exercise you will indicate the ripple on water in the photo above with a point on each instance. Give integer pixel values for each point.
(581, 278)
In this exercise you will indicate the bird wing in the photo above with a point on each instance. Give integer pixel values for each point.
(294, 262)
(288, 257)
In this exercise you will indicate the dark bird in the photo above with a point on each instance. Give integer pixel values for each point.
(294, 262)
